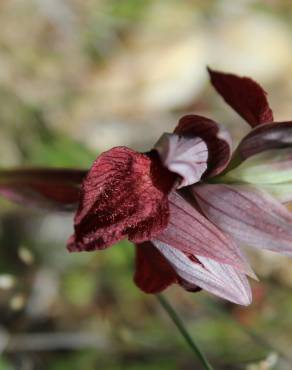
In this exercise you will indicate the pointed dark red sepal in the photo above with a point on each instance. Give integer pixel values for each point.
(244, 95)
(153, 272)
(45, 188)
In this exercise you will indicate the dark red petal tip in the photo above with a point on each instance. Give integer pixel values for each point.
(153, 272)
(244, 95)
(123, 195)
(45, 188)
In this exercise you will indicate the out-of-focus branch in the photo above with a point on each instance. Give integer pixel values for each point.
(50, 341)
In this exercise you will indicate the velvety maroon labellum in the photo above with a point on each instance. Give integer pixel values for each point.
(123, 195)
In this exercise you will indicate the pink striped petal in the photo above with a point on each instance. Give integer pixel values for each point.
(247, 214)
(183, 155)
(217, 278)
(192, 233)
(244, 95)
(42, 187)
(214, 135)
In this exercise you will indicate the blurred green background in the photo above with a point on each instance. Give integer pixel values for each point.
(78, 77)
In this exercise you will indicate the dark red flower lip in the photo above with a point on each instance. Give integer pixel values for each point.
(123, 195)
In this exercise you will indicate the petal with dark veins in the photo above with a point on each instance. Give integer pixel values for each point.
(192, 233)
(216, 278)
(248, 215)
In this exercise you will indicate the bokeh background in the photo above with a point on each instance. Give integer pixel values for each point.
(78, 77)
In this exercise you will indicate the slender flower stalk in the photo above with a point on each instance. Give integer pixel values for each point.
(182, 329)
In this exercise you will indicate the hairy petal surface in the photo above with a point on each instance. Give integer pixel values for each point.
(215, 136)
(123, 195)
(217, 278)
(183, 155)
(43, 187)
(249, 215)
(153, 273)
(192, 233)
(267, 137)
(244, 95)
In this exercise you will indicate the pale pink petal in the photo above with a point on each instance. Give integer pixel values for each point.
(249, 215)
(189, 231)
(217, 278)
(214, 135)
(186, 156)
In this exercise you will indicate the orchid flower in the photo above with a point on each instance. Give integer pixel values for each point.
(187, 204)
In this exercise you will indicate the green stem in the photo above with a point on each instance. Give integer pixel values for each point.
(182, 329)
